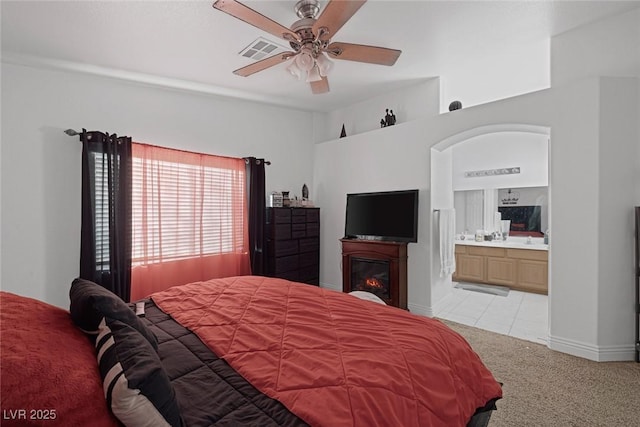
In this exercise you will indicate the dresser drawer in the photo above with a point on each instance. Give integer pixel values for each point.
(286, 263)
(279, 215)
(308, 259)
(313, 214)
(289, 275)
(309, 244)
(298, 230)
(298, 227)
(279, 231)
(283, 247)
(298, 219)
(313, 230)
(308, 273)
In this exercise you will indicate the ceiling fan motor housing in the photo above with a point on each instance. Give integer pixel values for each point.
(307, 8)
(307, 11)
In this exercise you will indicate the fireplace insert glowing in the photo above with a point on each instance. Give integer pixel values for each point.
(371, 275)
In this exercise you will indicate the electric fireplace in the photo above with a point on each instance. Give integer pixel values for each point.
(378, 267)
(371, 275)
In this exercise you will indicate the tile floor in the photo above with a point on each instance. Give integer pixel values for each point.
(519, 314)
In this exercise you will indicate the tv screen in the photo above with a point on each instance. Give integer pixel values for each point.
(389, 215)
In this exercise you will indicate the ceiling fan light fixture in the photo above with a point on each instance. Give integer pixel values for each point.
(314, 75)
(324, 64)
(294, 70)
(305, 60)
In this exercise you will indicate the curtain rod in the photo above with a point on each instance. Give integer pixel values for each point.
(72, 132)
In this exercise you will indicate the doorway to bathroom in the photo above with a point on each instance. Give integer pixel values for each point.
(493, 176)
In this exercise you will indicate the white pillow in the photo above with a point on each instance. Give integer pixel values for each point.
(367, 296)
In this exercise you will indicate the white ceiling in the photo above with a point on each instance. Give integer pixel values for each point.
(190, 44)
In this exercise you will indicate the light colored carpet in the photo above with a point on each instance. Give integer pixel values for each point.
(543, 387)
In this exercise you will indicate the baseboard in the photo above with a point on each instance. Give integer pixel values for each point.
(331, 286)
(617, 353)
(612, 353)
(421, 310)
(437, 307)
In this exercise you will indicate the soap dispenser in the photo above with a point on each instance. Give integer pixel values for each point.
(546, 237)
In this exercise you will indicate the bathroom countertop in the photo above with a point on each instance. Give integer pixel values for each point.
(511, 243)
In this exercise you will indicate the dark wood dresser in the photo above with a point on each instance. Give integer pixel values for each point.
(293, 244)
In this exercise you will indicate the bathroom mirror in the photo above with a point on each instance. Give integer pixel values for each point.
(526, 207)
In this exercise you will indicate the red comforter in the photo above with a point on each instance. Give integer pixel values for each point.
(333, 359)
(48, 367)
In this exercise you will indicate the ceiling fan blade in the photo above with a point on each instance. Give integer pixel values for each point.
(321, 86)
(363, 53)
(263, 64)
(335, 14)
(258, 20)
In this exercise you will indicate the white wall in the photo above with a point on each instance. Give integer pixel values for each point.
(441, 198)
(41, 165)
(618, 159)
(529, 151)
(409, 102)
(381, 160)
(503, 74)
(606, 48)
(609, 47)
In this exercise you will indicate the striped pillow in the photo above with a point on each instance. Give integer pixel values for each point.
(91, 303)
(135, 384)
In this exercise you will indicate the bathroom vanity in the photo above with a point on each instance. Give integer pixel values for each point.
(513, 263)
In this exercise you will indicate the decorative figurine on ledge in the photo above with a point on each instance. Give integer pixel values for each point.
(389, 119)
(455, 105)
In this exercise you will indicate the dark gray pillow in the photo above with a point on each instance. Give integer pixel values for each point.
(136, 386)
(90, 303)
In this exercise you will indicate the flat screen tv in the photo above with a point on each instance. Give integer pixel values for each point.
(389, 216)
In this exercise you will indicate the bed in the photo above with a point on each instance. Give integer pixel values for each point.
(239, 351)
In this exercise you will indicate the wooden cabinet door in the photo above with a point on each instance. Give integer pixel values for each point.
(502, 271)
(533, 276)
(470, 267)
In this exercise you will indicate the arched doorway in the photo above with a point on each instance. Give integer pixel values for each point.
(489, 151)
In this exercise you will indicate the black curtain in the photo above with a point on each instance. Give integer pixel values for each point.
(256, 200)
(105, 247)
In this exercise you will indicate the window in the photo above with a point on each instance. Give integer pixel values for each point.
(189, 219)
(101, 224)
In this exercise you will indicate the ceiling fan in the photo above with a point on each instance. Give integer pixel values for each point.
(310, 39)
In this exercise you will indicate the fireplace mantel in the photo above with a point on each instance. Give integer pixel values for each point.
(392, 253)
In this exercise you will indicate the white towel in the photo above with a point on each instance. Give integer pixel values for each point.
(447, 222)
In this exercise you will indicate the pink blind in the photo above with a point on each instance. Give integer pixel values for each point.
(189, 218)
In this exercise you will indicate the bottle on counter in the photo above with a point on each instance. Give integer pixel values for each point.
(546, 237)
